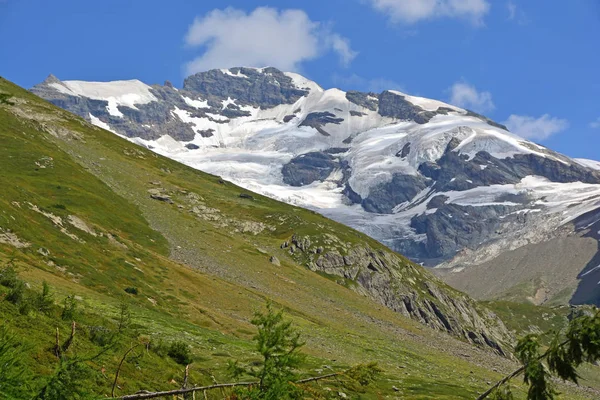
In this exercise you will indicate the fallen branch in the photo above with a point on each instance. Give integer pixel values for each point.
(318, 378)
(153, 395)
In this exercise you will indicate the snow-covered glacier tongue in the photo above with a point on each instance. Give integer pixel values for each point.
(443, 185)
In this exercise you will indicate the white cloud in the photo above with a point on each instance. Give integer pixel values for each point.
(412, 11)
(341, 46)
(535, 128)
(512, 10)
(595, 124)
(516, 13)
(465, 95)
(264, 37)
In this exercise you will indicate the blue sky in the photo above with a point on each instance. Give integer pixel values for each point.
(532, 63)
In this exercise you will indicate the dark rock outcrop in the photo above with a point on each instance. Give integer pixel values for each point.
(366, 100)
(265, 89)
(318, 119)
(402, 188)
(396, 106)
(309, 167)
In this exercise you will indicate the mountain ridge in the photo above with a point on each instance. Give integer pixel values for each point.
(435, 182)
(219, 212)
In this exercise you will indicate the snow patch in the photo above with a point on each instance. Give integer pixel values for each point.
(100, 124)
(116, 93)
(237, 75)
(196, 103)
(302, 83)
(426, 104)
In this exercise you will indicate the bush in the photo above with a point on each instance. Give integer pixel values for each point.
(5, 99)
(13, 371)
(69, 309)
(180, 353)
(44, 300)
(8, 276)
(124, 320)
(17, 293)
(68, 382)
(131, 290)
(101, 335)
(159, 347)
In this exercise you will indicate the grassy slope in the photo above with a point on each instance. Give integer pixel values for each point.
(204, 279)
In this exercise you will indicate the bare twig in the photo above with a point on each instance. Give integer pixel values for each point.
(318, 378)
(112, 392)
(69, 341)
(515, 373)
(57, 345)
(184, 391)
(186, 376)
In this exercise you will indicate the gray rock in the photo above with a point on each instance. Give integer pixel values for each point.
(265, 90)
(319, 119)
(162, 197)
(366, 100)
(384, 197)
(275, 261)
(309, 167)
(404, 152)
(396, 106)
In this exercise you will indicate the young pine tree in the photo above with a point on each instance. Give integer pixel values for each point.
(279, 345)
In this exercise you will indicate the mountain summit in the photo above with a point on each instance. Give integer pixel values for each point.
(443, 185)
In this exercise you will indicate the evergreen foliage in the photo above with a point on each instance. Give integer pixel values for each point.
(580, 343)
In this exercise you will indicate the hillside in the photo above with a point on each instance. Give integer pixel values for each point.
(93, 214)
(444, 186)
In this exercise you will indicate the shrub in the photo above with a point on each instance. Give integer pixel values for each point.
(13, 371)
(180, 352)
(131, 290)
(124, 320)
(159, 347)
(69, 310)
(8, 276)
(100, 335)
(17, 293)
(44, 300)
(5, 99)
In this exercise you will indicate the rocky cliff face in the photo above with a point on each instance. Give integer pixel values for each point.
(443, 185)
(397, 284)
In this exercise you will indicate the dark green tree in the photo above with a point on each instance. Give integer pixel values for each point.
(44, 300)
(13, 372)
(124, 318)
(69, 311)
(578, 344)
(279, 345)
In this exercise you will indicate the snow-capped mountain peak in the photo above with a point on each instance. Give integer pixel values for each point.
(429, 179)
